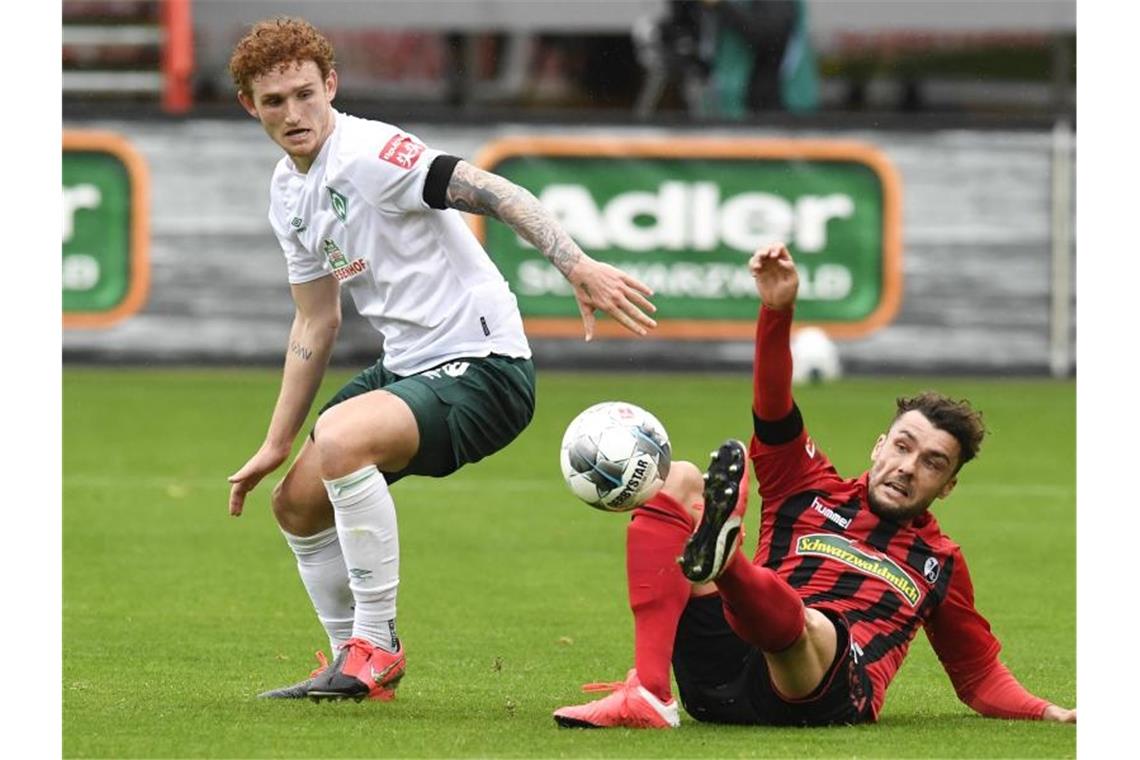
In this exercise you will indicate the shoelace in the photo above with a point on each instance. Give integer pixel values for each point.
(356, 644)
(606, 686)
(323, 667)
(353, 643)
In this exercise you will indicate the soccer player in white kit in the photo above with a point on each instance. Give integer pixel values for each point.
(366, 206)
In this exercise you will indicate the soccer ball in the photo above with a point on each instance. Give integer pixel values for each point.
(615, 456)
(815, 359)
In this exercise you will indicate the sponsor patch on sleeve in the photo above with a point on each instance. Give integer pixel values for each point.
(402, 151)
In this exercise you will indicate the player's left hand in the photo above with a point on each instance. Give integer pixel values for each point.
(600, 286)
(1059, 714)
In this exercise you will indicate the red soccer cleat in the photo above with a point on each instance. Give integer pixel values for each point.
(717, 537)
(630, 705)
(361, 671)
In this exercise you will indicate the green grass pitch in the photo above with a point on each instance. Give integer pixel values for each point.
(175, 615)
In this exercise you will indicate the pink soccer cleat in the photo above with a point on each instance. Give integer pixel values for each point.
(360, 671)
(630, 705)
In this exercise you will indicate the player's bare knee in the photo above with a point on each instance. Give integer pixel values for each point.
(300, 511)
(285, 509)
(331, 440)
(818, 628)
(685, 485)
(278, 498)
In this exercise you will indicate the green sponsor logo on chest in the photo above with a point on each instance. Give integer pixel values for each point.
(845, 551)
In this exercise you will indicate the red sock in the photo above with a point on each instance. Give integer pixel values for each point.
(658, 592)
(760, 606)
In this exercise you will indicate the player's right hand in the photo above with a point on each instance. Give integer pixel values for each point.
(777, 280)
(265, 461)
(598, 285)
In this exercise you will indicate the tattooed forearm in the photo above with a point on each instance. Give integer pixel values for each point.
(300, 351)
(478, 192)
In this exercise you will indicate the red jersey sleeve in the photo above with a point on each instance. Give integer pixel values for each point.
(772, 365)
(784, 456)
(968, 650)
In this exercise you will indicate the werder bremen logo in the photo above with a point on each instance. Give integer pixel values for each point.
(339, 204)
(843, 550)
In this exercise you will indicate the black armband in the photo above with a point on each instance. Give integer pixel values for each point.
(438, 177)
(777, 432)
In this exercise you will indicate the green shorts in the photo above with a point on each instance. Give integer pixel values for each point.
(466, 409)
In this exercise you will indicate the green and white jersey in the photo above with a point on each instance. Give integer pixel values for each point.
(416, 273)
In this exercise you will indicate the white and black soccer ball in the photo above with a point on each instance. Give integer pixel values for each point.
(815, 357)
(615, 456)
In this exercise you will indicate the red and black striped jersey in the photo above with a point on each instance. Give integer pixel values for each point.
(887, 579)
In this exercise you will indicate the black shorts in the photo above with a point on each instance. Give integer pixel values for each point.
(465, 409)
(723, 679)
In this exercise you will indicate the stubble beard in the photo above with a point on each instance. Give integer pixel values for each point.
(898, 514)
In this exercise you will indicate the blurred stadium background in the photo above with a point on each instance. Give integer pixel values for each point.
(962, 113)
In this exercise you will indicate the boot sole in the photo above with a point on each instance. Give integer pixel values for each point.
(707, 551)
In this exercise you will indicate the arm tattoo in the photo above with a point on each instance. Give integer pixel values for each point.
(478, 192)
(300, 351)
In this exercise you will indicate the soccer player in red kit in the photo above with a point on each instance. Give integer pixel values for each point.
(813, 629)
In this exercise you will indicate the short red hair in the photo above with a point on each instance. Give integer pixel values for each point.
(276, 43)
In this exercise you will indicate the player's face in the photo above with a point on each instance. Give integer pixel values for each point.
(912, 465)
(293, 104)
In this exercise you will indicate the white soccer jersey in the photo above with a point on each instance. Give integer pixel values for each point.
(417, 274)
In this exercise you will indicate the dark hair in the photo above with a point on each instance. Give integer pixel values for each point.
(957, 418)
(276, 43)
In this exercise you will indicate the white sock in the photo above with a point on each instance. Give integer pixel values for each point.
(321, 566)
(366, 524)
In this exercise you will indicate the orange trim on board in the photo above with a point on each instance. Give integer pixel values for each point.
(729, 147)
(139, 286)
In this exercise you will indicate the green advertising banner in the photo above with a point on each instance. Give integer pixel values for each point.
(685, 215)
(105, 269)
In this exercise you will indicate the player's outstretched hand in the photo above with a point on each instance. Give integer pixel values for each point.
(777, 281)
(265, 461)
(600, 286)
(1059, 714)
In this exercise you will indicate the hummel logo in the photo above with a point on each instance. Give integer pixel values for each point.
(830, 513)
(809, 447)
